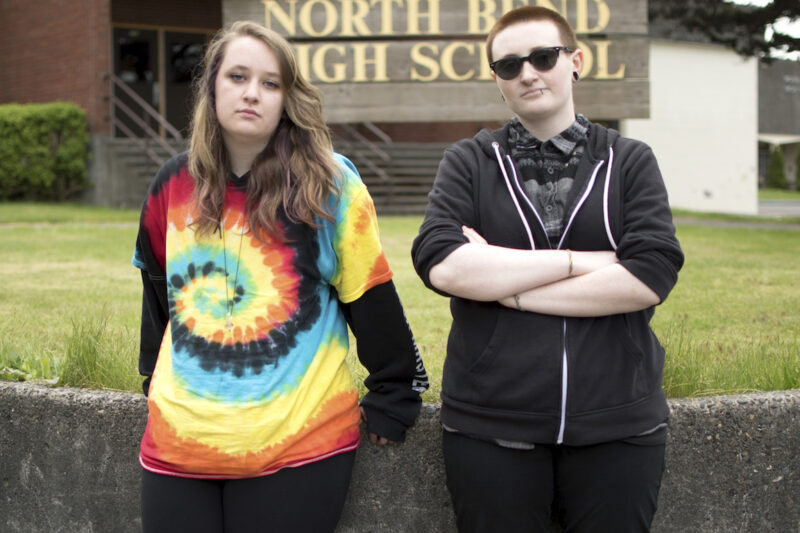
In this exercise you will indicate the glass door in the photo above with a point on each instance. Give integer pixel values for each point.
(183, 52)
(135, 63)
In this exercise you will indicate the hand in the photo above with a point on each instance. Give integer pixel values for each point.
(473, 236)
(373, 438)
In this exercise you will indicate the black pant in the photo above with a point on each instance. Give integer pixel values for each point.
(308, 498)
(606, 487)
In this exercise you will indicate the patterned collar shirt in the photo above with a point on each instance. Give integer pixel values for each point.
(548, 170)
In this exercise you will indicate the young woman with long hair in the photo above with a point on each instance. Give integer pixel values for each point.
(257, 248)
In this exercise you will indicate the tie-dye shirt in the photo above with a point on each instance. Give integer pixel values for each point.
(265, 387)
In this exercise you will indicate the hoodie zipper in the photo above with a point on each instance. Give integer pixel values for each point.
(584, 196)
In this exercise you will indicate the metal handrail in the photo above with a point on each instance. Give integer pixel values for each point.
(366, 142)
(361, 155)
(382, 135)
(116, 82)
(361, 160)
(142, 124)
(141, 142)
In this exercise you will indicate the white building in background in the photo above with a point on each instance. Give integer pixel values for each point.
(703, 125)
(779, 115)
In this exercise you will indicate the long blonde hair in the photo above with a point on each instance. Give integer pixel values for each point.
(294, 174)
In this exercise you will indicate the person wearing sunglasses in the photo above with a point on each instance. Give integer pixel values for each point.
(554, 239)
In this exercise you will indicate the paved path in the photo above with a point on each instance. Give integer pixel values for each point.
(779, 208)
(689, 221)
(766, 209)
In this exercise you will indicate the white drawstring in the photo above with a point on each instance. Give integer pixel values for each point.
(496, 147)
(605, 198)
(578, 205)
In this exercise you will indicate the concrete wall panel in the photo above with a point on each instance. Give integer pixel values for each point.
(69, 464)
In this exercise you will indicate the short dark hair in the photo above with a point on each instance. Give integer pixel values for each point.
(529, 13)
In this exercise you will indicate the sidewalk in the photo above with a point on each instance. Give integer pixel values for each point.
(766, 209)
(779, 208)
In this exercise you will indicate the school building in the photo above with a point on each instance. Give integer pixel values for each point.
(401, 80)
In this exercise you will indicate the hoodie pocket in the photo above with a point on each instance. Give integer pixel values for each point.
(518, 368)
(499, 338)
(612, 362)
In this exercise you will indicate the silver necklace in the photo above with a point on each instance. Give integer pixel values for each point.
(230, 303)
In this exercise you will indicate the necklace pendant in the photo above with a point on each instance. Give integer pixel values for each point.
(229, 322)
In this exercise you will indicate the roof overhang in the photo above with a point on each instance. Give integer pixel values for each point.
(778, 138)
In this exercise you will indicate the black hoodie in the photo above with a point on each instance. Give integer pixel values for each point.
(532, 377)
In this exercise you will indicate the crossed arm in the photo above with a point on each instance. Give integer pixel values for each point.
(540, 281)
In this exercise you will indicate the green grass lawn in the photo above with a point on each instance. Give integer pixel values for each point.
(70, 303)
(770, 195)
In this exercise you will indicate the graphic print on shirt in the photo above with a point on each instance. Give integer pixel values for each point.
(272, 389)
(264, 303)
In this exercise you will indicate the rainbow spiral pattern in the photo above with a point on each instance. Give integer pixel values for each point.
(268, 387)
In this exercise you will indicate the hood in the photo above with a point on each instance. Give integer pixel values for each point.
(600, 138)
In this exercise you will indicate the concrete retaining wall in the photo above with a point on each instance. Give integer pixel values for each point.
(68, 464)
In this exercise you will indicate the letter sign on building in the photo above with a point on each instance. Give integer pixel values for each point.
(425, 60)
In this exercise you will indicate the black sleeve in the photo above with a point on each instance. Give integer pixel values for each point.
(450, 206)
(387, 349)
(155, 311)
(648, 247)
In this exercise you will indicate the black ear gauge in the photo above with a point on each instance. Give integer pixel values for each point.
(575, 76)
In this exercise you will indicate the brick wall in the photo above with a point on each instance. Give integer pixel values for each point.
(53, 50)
(59, 50)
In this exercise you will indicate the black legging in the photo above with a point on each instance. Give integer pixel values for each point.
(605, 487)
(309, 499)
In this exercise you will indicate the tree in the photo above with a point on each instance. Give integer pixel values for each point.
(776, 174)
(797, 172)
(740, 27)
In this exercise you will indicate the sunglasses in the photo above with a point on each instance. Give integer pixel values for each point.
(542, 59)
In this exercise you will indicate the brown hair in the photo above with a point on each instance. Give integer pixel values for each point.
(529, 13)
(293, 174)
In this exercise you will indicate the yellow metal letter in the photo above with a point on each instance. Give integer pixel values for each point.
(582, 16)
(331, 18)
(287, 20)
(486, 72)
(447, 60)
(602, 63)
(549, 5)
(588, 59)
(414, 15)
(303, 61)
(508, 5)
(387, 27)
(480, 16)
(319, 62)
(350, 19)
(360, 62)
(424, 61)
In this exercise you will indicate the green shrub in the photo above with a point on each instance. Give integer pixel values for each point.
(776, 175)
(43, 151)
(797, 171)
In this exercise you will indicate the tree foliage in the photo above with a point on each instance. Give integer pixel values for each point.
(740, 27)
(797, 172)
(776, 174)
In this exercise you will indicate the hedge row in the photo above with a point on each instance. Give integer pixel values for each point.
(43, 151)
